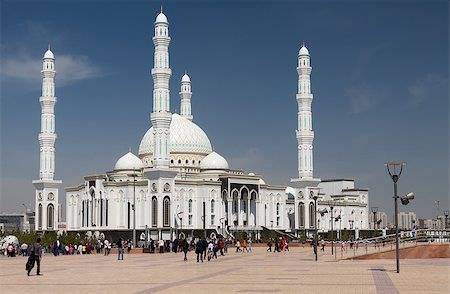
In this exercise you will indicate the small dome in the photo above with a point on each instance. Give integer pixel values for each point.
(49, 54)
(129, 161)
(214, 161)
(186, 78)
(303, 51)
(261, 182)
(161, 18)
(251, 174)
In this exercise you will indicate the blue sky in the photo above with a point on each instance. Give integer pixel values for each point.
(380, 81)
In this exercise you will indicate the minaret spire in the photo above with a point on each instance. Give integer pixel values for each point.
(305, 134)
(161, 73)
(186, 94)
(47, 186)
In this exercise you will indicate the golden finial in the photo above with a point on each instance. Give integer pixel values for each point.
(303, 43)
(48, 45)
(161, 9)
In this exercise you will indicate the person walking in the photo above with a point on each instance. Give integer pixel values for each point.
(322, 242)
(185, 248)
(269, 245)
(244, 245)
(106, 247)
(249, 244)
(199, 250)
(238, 246)
(161, 246)
(35, 257)
(120, 249)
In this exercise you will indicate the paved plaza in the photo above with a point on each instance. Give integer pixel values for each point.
(255, 272)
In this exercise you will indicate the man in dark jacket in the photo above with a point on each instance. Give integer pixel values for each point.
(199, 248)
(35, 256)
(185, 247)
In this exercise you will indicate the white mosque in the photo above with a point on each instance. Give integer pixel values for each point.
(179, 184)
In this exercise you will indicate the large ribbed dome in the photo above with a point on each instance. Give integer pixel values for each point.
(185, 137)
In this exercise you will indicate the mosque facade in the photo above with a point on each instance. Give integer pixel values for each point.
(177, 184)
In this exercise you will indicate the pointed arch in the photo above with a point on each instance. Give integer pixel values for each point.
(312, 215)
(50, 216)
(154, 211)
(166, 211)
(301, 215)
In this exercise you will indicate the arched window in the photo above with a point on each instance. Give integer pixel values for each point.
(212, 206)
(166, 212)
(154, 212)
(190, 206)
(40, 217)
(278, 208)
(312, 215)
(50, 216)
(301, 215)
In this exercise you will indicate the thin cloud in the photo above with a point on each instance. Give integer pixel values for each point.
(425, 88)
(363, 97)
(69, 68)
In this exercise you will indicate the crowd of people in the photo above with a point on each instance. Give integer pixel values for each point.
(281, 244)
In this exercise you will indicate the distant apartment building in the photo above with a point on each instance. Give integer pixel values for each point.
(406, 220)
(381, 220)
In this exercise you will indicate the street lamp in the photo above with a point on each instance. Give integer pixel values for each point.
(332, 231)
(179, 214)
(374, 211)
(339, 218)
(134, 175)
(395, 174)
(222, 220)
(446, 217)
(315, 224)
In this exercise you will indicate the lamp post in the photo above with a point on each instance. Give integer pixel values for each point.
(134, 175)
(374, 211)
(395, 174)
(446, 213)
(315, 224)
(222, 219)
(332, 232)
(179, 214)
(338, 218)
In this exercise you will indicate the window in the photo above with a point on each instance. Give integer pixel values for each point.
(278, 208)
(212, 206)
(212, 220)
(154, 212)
(312, 218)
(166, 209)
(40, 216)
(278, 221)
(245, 205)
(50, 216)
(235, 206)
(226, 206)
(190, 206)
(301, 215)
(190, 220)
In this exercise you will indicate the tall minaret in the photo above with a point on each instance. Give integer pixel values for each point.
(47, 186)
(305, 134)
(186, 94)
(161, 116)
